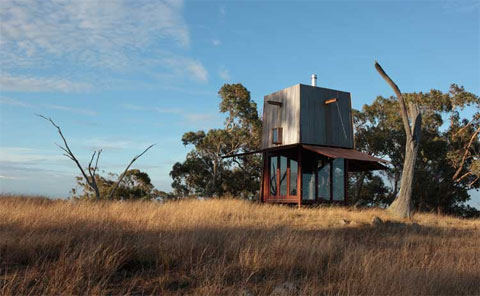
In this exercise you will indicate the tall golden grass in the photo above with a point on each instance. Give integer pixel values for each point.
(230, 247)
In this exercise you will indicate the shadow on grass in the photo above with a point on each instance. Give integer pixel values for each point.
(187, 258)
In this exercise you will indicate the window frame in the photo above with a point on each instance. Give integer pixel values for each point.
(279, 132)
(277, 179)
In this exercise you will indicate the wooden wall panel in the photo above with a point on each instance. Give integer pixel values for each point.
(305, 118)
(286, 116)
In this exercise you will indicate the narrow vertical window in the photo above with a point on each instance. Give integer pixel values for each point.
(338, 166)
(283, 176)
(273, 175)
(324, 180)
(293, 177)
(277, 135)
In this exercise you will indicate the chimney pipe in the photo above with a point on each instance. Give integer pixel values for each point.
(314, 80)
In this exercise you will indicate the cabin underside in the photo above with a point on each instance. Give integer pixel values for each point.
(306, 174)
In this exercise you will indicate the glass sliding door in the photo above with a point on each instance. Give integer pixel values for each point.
(273, 175)
(283, 176)
(338, 169)
(323, 184)
(308, 179)
(293, 176)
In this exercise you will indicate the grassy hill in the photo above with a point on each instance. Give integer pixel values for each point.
(230, 247)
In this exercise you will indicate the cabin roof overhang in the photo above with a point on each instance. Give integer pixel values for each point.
(358, 161)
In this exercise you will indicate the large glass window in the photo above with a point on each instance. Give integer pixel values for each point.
(338, 179)
(293, 177)
(324, 180)
(283, 176)
(273, 175)
(308, 180)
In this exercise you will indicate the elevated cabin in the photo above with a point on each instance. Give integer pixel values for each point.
(308, 146)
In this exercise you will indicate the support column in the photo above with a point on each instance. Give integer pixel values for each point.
(345, 182)
(299, 177)
(264, 187)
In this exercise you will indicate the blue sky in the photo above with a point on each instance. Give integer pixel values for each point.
(120, 75)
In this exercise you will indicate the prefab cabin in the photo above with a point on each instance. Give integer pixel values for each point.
(308, 146)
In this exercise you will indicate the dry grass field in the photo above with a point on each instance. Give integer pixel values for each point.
(230, 247)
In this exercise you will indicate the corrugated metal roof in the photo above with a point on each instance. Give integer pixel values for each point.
(332, 152)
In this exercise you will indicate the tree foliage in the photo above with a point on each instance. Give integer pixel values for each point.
(449, 144)
(136, 185)
(204, 171)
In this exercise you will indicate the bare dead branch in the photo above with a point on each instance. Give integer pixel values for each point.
(401, 101)
(464, 157)
(473, 182)
(462, 129)
(120, 178)
(69, 154)
(91, 160)
(96, 162)
(66, 151)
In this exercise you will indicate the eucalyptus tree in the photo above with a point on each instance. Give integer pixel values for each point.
(205, 171)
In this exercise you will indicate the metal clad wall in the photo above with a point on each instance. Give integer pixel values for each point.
(329, 125)
(287, 116)
(313, 116)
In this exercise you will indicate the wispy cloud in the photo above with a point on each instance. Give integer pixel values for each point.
(28, 155)
(11, 178)
(83, 40)
(29, 83)
(464, 6)
(186, 67)
(96, 33)
(191, 117)
(19, 103)
(177, 111)
(13, 102)
(224, 74)
(222, 11)
(216, 42)
(109, 144)
(74, 110)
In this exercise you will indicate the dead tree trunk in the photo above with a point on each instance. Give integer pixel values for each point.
(90, 178)
(412, 123)
(120, 178)
(92, 183)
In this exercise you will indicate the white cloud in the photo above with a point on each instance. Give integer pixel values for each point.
(222, 11)
(94, 33)
(11, 178)
(187, 68)
(29, 84)
(108, 144)
(216, 42)
(133, 107)
(15, 102)
(74, 110)
(200, 117)
(27, 155)
(184, 114)
(169, 110)
(85, 40)
(224, 74)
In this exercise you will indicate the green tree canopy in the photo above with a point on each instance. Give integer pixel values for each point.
(204, 171)
(136, 185)
(449, 144)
